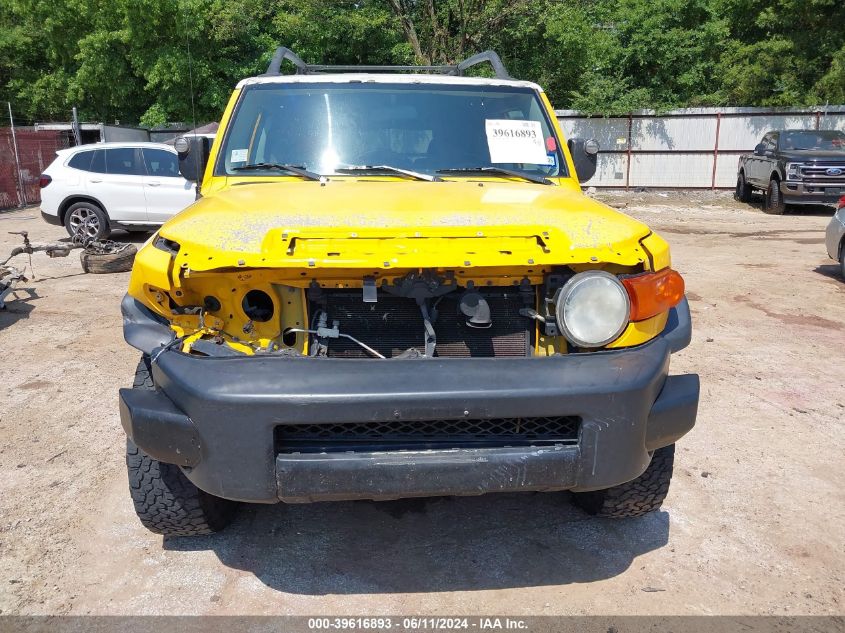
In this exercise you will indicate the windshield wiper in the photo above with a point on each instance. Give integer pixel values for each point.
(541, 180)
(299, 170)
(390, 168)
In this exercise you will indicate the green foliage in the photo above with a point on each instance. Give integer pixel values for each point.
(344, 32)
(128, 60)
(790, 50)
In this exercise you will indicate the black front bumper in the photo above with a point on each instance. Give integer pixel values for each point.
(216, 417)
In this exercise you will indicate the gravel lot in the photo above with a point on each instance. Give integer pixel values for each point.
(754, 522)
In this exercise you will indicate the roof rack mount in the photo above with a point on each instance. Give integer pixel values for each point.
(458, 69)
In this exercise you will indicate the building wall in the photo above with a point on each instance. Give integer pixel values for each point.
(689, 148)
(122, 133)
(36, 150)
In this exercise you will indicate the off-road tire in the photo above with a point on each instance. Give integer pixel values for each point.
(110, 262)
(165, 500)
(638, 497)
(743, 189)
(88, 209)
(773, 202)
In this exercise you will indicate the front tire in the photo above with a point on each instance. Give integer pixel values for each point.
(88, 217)
(743, 189)
(638, 497)
(165, 500)
(773, 203)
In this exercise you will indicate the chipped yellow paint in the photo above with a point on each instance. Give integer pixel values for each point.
(191, 322)
(549, 345)
(293, 314)
(280, 234)
(640, 332)
(151, 269)
(354, 224)
(658, 249)
(353, 277)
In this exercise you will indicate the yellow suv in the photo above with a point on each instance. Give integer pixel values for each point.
(392, 286)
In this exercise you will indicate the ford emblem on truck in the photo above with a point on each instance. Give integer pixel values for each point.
(834, 171)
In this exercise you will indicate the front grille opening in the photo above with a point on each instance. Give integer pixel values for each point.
(394, 324)
(426, 434)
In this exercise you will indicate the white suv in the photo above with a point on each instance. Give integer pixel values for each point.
(133, 186)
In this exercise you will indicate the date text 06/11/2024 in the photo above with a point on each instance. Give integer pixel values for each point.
(417, 624)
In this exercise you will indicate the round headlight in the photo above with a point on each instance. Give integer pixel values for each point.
(593, 309)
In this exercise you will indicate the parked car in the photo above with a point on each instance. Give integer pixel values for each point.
(835, 236)
(794, 167)
(133, 186)
(393, 286)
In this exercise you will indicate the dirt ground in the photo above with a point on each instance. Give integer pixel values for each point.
(754, 522)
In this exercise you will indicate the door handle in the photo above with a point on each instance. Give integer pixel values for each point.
(153, 184)
(94, 181)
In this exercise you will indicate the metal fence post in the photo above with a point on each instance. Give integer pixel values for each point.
(716, 150)
(21, 190)
(628, 160)
(77, 136)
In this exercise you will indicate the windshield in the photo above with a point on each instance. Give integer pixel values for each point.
(830, 140)
(330, 128)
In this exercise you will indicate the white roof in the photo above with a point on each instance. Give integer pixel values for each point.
(387, 78)
(90, 146)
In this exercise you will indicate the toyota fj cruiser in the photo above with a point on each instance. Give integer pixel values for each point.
(392, 286)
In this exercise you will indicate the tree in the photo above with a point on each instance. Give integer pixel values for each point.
(782, 52)
(175, 60)
(447, 31)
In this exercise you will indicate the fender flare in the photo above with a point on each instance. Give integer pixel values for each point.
(79, 197)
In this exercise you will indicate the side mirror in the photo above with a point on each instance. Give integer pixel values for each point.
(193, 156)
(585, 156)
(760, 149)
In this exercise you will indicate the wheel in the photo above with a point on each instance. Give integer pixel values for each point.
(842, 262)
(743, 189)
(773, 203)
(108, 262)
(92, 216)
(638, 497)
(165, 500)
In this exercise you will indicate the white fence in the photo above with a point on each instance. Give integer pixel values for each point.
(690, 148)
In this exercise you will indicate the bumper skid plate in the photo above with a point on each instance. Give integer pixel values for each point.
(392, 475)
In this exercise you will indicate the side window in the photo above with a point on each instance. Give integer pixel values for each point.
(769, 141)
(98, 164)
(161, 163)
(82, 161)
(121, 160)
(774, 144)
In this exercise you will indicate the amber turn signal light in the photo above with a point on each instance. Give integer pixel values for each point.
(653, 293)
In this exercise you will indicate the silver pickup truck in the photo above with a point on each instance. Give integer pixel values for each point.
(794, 167)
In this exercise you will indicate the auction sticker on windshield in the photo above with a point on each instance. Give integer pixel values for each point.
(239, 155)
(516, 141)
